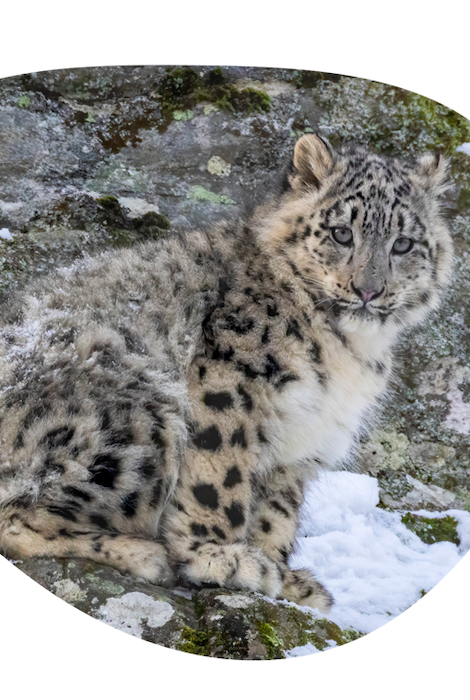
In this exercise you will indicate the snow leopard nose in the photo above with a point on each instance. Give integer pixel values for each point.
(366, 295)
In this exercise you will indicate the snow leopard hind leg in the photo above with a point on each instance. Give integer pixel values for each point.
(32, 534)
(90, 457)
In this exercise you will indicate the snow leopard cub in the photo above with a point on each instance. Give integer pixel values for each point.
(163, 407)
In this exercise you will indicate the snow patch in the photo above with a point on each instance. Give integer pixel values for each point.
(372, 564)
(6, 234)
(301, 651)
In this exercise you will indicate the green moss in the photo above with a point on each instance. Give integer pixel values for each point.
(108, 202)
(323, 632)
(246, 101)
(392, 120)
(121, 227)
(194, 642)
(272, 642)
(349, 635)
(174, 99)
(183, 88)
(259, 630)
(198, 605)
(111, 214)
(310, 79)
(177, 86)
(431, 530)
(216, 77)
(152, 225)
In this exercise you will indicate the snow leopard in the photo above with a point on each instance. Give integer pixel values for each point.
(164, 407)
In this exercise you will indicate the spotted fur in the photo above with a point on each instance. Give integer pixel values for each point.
(162, 408)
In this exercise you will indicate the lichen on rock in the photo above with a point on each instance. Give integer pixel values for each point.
(391, 119)
(129, 612)
(99, 157)
(209, 622)
(217, 166)
(200, 193)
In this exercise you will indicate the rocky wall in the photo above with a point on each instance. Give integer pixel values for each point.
(99, 157)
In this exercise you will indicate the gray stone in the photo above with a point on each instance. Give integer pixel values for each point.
(208, 622)
(71, 139)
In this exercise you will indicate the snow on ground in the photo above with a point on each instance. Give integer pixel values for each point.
(372, 564)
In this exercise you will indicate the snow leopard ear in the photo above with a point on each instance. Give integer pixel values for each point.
(313, 160)
(432, 170)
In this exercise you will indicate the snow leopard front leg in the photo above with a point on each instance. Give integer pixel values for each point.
(276, 502)
(208, 520)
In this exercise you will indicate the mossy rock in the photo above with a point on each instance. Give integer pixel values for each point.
(177, 85)
(208, 622)
(310, 78)
(431, 530)
(121, 130)
(392, 120)
(152, 225)
(460, 173)
(182, 88)
(241, 625)
(59, 234)
(173, 99)
(34, 252)
(111, 214)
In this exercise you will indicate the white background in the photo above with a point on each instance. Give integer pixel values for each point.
(50, 650)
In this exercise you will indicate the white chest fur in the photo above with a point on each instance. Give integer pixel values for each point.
(322, 421)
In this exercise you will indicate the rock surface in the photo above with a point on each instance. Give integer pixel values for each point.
(210, 622)
(99, 157)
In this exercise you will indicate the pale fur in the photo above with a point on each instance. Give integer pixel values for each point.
(164, 407)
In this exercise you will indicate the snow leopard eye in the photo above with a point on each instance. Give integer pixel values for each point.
(402, 245)
(342, 235)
